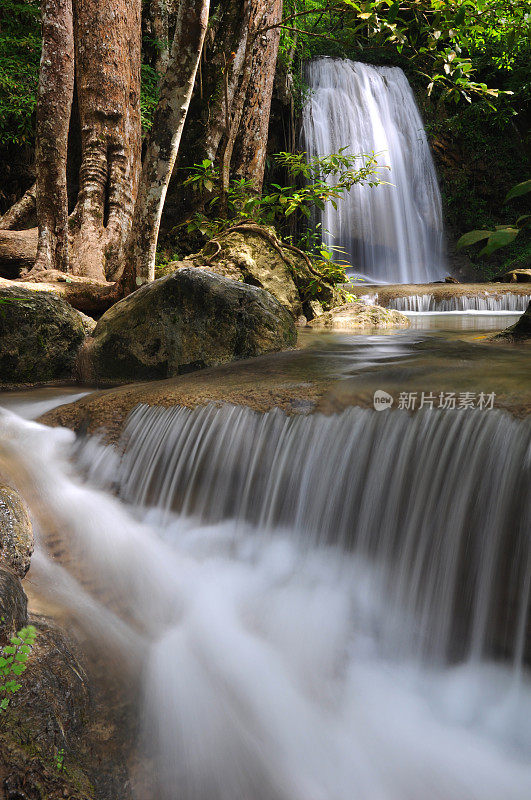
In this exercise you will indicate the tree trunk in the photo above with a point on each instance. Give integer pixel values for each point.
(54, 103)
(251, 144)
(22, 212)
(108, 39)
(159, 18)
(163, 144)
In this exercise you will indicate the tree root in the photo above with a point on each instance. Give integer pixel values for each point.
(273, 241)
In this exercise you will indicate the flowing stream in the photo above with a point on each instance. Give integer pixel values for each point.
(390, 233)
(326, 607)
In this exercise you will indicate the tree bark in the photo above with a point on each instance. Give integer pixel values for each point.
(22, 212)
(108, 40)
(159, 18)
(163, 144)
(54, 103)
(251, 144)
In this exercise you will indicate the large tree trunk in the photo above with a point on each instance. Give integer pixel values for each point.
(54, 103)
(108, 40)
(175, 94)
(251, 144)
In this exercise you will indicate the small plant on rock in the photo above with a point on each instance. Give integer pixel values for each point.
(13, 658)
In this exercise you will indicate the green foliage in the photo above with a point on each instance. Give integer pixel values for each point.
(451, 43)
(312, 183)
(502, 235)
(59, 760)
(13, 658)
(20, 48)
(149, 96)
(278, 203)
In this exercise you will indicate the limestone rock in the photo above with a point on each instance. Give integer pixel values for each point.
(249, 256)
(360, 315)
(40, 335)
(16, 532)
(191, 319)
(514, 276)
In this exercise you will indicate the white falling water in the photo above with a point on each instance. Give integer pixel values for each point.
(309, 633)
(391, 234)
(486, 302)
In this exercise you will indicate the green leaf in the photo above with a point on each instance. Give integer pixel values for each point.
(472, 238)
(518, 190)
(499, 239)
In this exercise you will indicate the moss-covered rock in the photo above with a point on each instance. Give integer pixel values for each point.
(184, 322)
(40, 335)
(254, 255)
(49, 735)
(16, 532)
(360, 315)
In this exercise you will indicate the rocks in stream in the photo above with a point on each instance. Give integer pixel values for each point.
(520, 331)
(58, 737)
(360, 315)
(253, 255)
(40, 335)
(188, 320)
(16, 531)
(13, 604)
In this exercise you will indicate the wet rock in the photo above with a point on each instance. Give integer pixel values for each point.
(520, 331)
(40, 335)
(16, 532)
(13, 604)
(360, 315)
(51, 735)
(184, 322)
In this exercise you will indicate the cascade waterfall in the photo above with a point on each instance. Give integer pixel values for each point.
(323, 607)
(392, 233)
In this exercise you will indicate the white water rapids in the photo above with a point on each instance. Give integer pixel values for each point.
(318, 601)
(390, 233)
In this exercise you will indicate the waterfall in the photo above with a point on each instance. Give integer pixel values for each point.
(324, 607)
(390, 233)
(486, 302)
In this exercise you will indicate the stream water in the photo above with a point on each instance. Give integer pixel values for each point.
(324, 607)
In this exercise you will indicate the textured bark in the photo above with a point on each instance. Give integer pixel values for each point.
(17, 251)
(107, 38)
(54, 103)
(251, 143)
(163, 144)
(21, 212)
(159, 19)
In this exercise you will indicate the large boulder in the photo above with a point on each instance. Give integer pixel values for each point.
(181, 323)
(16, 532)
(360, 315)
(40, 335)
(254, 255)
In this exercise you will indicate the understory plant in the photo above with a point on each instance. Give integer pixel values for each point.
(312, 183)
(13, 658)
(502, 235)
